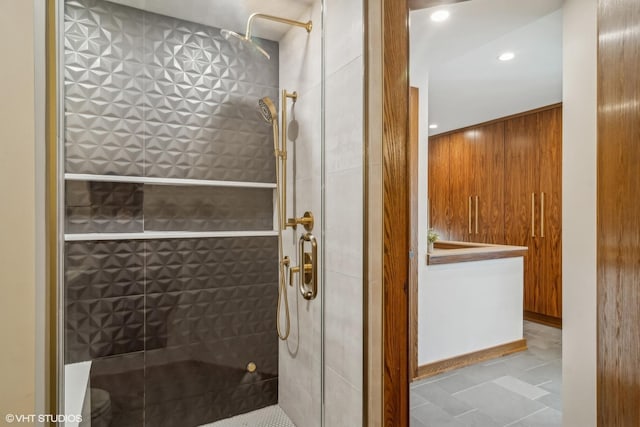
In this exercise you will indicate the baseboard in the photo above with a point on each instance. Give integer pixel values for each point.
(556, 322)
(445, 365)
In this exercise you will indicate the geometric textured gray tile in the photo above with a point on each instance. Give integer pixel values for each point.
(151, 95)
(103, 207)
(104, 299)
(207, 208)
(104, 127)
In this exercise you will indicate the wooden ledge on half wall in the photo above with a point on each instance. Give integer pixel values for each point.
(448, 252)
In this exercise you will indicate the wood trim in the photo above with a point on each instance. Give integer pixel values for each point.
(387, 203)
(433, 259)
(618, 214)
(413, 155)
(446, 365)
(395, 96)
(500, 119)
(543, 319)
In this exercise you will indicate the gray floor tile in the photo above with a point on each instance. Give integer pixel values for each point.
(414, 422)
(477, 418)
(439, 399)
(553, 386)
(551, 371)
(520, 387)
(546, 418)
(416, 400)
(552, 400)
(433, 393)
(524, 361)
(433, 416)
(484, 373)
(455, 383)
(500, 404)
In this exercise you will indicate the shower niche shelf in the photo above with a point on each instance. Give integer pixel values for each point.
(152, 235)
(112, 207)
(165, 181)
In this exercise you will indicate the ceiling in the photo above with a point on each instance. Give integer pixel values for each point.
(456, 60)
(230, 14)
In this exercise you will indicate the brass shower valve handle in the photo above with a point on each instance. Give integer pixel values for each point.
(307, 221)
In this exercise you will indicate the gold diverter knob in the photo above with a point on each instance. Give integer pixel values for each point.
(251, 367)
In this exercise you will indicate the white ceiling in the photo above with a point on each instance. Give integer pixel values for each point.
(229, 14)
(456, 60)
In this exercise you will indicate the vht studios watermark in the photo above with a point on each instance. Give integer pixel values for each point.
(42, 418)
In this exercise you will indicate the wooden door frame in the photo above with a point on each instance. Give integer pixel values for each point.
(386, 219)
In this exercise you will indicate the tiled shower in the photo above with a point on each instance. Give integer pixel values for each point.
(170, 254)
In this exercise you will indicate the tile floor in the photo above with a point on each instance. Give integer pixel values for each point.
(519, 390)
(271, 416)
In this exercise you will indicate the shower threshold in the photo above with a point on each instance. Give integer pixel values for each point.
(271, 416)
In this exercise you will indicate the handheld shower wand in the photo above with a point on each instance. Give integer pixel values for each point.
(270, 115)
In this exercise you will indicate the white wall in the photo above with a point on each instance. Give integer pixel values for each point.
(300, 369)
(300, 356)
(579, 213)
(17, 212)
(344, 139)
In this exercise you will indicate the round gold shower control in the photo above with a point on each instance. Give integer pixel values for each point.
(251, 367)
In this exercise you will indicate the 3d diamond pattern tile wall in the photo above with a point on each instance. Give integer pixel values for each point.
(103, 207)
(153, 95)
(169, 324)
(208, 208)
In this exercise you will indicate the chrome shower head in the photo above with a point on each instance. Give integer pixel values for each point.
(243, 42)
(268, 110)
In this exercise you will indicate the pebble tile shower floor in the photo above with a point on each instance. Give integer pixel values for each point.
(519, 390)
(271, 416)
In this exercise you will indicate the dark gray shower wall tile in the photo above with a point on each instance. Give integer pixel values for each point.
(201, 96)
(122, 377)
(103, 88)
(103, 207)
(103, 269)
(207, 208)
(189, 264)
(209, 315)
(103, 327)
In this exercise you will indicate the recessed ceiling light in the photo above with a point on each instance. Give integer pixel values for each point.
(440, 15)
(506, 56)
(433, 126)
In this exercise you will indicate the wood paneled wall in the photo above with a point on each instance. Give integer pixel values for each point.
(618, 213)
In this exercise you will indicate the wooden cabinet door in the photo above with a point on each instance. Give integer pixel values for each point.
(550, 212)
(438, 185)
(521, 198)
(461, 185)
(488, 184)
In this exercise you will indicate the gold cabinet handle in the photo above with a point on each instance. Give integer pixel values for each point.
(470, 215)
(541, 214)
(533, 214)
(308, 280)
(476, 214)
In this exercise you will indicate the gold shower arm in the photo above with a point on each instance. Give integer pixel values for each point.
(306, 25)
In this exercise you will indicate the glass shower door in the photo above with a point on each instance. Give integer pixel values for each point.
(174, 279)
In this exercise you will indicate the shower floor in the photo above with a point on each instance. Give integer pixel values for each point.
(271, 416)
